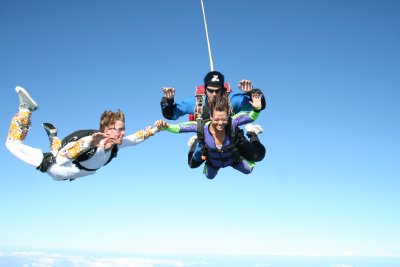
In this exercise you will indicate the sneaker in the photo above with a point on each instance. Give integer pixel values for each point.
(257, 129)
(25, 100)
(50, 129)
(192, 140)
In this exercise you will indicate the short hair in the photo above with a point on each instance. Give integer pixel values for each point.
(109, 118)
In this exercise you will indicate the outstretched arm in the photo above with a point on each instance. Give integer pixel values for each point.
(245, 86)
(248, 117)
(184, 127)
(172, 110)
(241, 100)
(139, 136)
(256, 101)
(73, 149)
(263, 102)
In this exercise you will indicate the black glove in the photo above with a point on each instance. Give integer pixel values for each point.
(167, 107)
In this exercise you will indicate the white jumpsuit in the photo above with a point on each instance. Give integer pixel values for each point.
(63, 168)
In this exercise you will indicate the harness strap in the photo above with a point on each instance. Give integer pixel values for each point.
(231, 148)
(47, 160)
(114, 151)
(81, 167)
(225, 159)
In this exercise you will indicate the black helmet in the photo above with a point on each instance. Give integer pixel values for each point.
(214, 78)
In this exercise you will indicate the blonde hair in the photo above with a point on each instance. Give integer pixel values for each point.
(108, 118)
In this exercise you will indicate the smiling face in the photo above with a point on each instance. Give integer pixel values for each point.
(219, 120)
(219, 112)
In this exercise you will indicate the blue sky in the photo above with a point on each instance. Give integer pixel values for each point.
(329, 71)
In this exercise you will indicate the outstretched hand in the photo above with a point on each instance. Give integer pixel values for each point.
(108, 143)
(256, 101)
(161, 124)
(96, 139)
(245, 86)
(169, 92)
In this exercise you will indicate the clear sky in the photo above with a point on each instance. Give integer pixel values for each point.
(329, 70)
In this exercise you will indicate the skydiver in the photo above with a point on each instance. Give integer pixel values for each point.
(218, 145)
(79, 157)
(214, 84)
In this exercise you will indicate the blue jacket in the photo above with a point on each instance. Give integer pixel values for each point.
(173, 111)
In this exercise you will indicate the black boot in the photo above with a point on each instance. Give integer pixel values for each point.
(50, 129)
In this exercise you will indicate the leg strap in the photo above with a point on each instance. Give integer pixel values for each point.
(48, 159)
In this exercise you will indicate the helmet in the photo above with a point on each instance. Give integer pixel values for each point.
(215, 78)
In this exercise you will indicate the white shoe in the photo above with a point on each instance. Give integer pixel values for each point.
(257, 129)
(25, 100)
(192, 140)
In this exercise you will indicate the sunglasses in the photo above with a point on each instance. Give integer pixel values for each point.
(217, 91)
